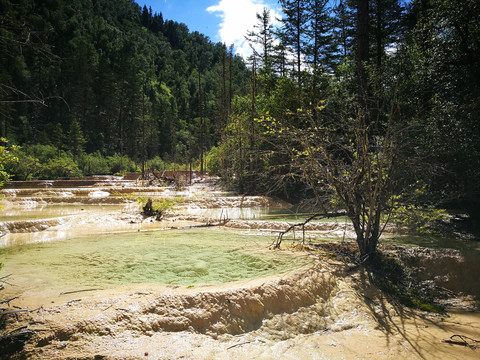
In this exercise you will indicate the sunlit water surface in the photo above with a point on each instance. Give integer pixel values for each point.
(180, 257)
(37, 211)
(259, 213)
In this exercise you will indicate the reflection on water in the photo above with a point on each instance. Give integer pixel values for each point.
(183, 257)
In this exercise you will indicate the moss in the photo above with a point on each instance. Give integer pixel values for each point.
(430, 307)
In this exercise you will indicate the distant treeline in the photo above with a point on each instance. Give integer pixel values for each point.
(48, 162)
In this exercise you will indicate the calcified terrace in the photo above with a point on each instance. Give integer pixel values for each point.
(316, 310)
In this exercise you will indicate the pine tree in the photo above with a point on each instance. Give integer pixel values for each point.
(320, 48)
(263, 36)
(295, 29)
(75, 139)
(344, 29)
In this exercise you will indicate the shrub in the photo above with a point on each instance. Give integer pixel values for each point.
(43, 153)
(60, 167)
(156, 164)
(94, 164)
(154, 207)
(25, 168)
(214, 160)
(120, 164)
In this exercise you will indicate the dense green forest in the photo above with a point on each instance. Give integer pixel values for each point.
(110, 79)
(371, 106)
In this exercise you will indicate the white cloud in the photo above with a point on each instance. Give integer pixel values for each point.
(239, 17)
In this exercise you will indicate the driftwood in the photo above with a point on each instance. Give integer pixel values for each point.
(2, 279)
(8, 300)
(462, 341)
(276, 243)
(77, 291)
(8, 312)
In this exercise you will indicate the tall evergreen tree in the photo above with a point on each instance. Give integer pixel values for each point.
(321, 49)
(262, 35)
(295, 29)
(344, 28)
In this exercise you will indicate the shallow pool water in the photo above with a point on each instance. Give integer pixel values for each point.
(180, 257)
(259, 213)
(35, 211)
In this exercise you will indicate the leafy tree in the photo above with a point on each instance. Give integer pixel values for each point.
(7, 155)
(24, 167)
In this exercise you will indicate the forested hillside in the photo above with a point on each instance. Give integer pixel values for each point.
(109, 78)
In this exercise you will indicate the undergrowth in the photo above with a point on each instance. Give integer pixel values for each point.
(386, 272)
(154, 207)
(392, 277)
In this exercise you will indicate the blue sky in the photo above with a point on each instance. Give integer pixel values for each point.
(221, 20)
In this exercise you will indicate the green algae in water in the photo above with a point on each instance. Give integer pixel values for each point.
(180, 257)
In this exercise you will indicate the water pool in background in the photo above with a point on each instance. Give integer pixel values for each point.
(180, 257)
(38, 211)
(259, 213)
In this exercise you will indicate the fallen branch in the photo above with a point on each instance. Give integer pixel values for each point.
(220, 223)
(462, 342)
(243, 343)
(15, 340)
(278, 241)
(13, 331)
(5, 277)
(8, 300)
(77, 291)
(8, 312)
(233, 346)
